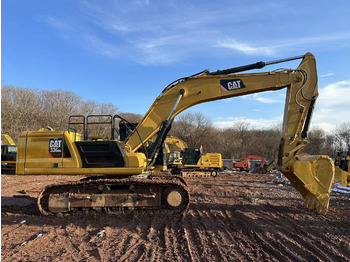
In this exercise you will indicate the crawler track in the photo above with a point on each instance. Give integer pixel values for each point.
(115, 195)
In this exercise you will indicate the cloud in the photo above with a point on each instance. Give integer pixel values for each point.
(246, 48)
(327, 75)
(333, 105)
(167, 32)
(264, 99)
(156, 51)
(64, 28)
(279, 47)
(335, 95)
(331, 37)
(227, 122)
(96, 44)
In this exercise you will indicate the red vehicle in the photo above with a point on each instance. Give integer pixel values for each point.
(249, 163)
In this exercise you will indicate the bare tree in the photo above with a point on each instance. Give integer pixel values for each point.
(242, 129)
(25, 109)
(342, 136)
(195, 129)
(319, 142)
(263, 142)
(230, 143)
(132, 118)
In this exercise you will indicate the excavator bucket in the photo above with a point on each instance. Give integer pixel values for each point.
(312, 176)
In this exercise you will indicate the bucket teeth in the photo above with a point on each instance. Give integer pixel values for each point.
(319, 203)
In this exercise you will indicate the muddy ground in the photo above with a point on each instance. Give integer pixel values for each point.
(234, 217)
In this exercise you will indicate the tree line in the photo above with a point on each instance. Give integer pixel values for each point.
(241, 140)
(25, 109)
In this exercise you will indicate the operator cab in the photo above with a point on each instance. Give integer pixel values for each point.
(191, 156)
(8, 153)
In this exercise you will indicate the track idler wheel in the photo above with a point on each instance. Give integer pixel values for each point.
(175, 198)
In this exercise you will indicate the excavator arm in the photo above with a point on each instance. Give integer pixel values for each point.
(172, 140)
(6, 140)
(312, 176)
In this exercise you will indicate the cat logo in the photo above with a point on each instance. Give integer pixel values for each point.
(232, 84)
(55, 147)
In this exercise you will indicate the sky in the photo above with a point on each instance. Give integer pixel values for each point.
(126, 52)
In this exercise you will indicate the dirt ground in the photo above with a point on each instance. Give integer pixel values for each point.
(234, 217)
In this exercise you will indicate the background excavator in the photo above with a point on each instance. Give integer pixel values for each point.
(190, 162)
(8, 155)
(342, 168)
(176, 148)
(125, 181)
(251, 162)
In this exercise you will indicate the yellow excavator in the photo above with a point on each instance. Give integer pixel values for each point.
(8, 155)
(124, 179)
(342, 168)
(175, 156)
(190, 162)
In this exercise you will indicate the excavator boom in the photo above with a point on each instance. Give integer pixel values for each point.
(312, 176)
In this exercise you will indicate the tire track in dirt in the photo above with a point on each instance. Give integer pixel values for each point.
(210, 231)
(142, 226)
(72, 251)
(269, 237)
(178, 240)
(262, 237)
(195, 243)
(201, 239)
(229, 240)
(225, 189)
(312, 241)
(197, 234)
(240, 233)
(161, 235)
(226, 192)
(189, 245)
(298, 239)
(170, 246)
(242, 241)
(293, 241)
(115, 245)
(250, 232)
(310, 229)
(124, 246)
(130, 249)
(259, 236)
(292, 245)
(152, 238)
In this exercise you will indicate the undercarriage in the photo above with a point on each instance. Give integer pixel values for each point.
(116, 195)
(194, 172)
